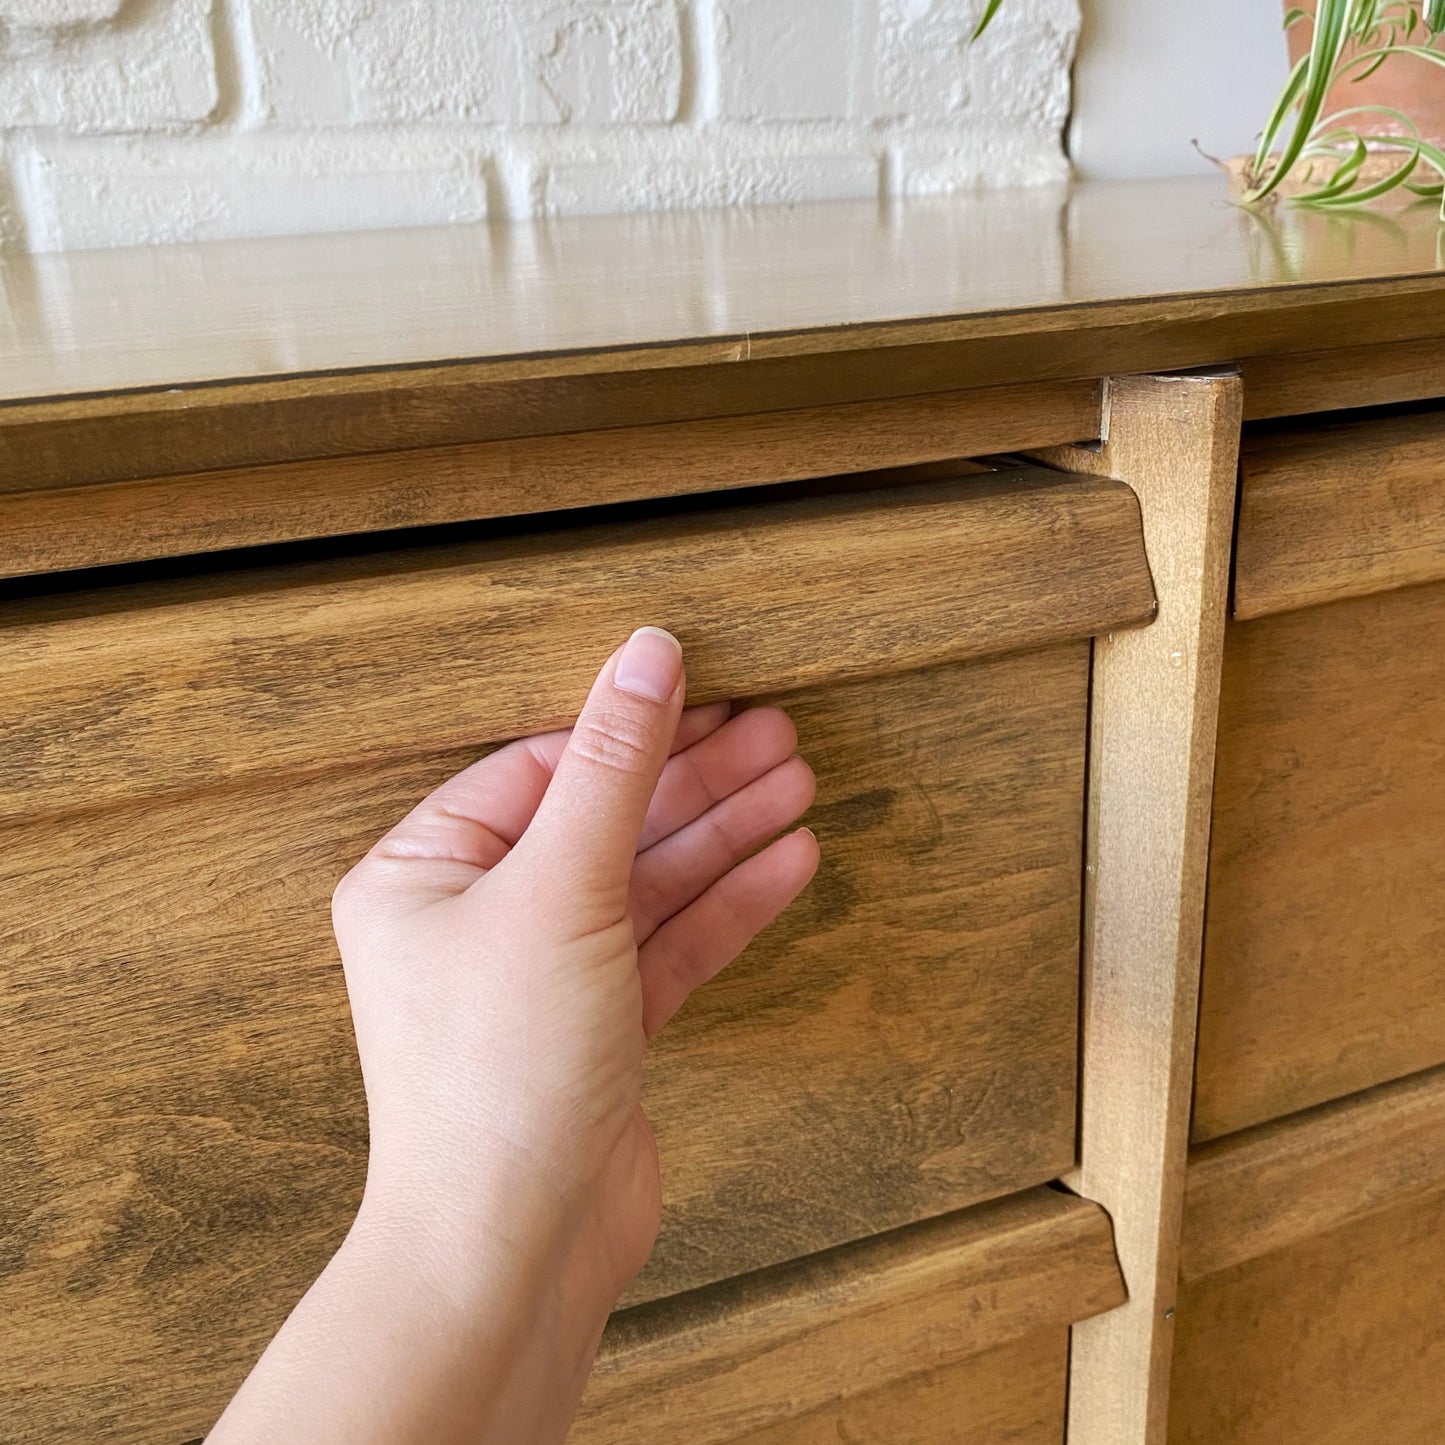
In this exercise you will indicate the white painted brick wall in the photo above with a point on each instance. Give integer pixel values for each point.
(133, 121)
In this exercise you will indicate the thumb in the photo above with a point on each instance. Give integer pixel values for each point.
(586, 829)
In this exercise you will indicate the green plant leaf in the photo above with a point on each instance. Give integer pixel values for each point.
(1286, 98)
(989, 11)
(1435, 16)
(1368, 193)
(1349, 132)
(1369, 57)
(1294, 16)
(1344, 176)
(1326, 44)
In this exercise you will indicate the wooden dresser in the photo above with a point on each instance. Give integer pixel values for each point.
(1094, 538)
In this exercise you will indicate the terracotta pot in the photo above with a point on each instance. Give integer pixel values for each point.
(1414, 86)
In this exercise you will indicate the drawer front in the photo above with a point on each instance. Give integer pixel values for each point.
(1324, 955)
(1312, 1298)
(1339, 508)
(1338, 1339)
(186, 1116)
(951, 1331)
(1014, 1393)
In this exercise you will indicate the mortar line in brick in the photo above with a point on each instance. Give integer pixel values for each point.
(698, 96)
(238, 85)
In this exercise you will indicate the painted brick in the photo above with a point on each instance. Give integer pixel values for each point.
(696, 175)
(796, 60)
(334, 62)
(12, 218)
(141, 191)
(929, 69)
(134, 68)
(927, 161)
(340, 114)
(56, 14)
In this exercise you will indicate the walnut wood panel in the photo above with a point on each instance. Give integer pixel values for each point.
(1347, 376)
(189, 684)
(558, 296)
(1014, 1394)
(1339, 509)
(189, 429)
(1324, 955)
(1338, 1339)
(941, 943)
(112, 438)
(170, 516)
(722, 1363)
(1269, 1187)
(184, 1117)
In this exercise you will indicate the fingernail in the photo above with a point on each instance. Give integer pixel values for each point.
(809, 832)
(650, 665)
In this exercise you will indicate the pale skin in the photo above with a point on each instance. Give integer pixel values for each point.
(509, 949)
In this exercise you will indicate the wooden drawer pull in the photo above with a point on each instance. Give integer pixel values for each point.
(721, 1362)
(184, 685)
(1339, 510)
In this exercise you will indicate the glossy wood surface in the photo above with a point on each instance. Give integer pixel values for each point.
(185, 1121)
(1153, 702)
(715, 1365)
(1269, 1187)
(127, 521)
(1338, 1339)
(684, 287)
(1324, 955)
(189, 684)
(1340, 508)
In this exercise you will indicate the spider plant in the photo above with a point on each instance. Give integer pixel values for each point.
(1327, 151)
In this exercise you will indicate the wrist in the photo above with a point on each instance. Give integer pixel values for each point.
(471, 1246)
(493, 1310)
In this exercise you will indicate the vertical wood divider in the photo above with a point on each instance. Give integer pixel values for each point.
(1154, 704)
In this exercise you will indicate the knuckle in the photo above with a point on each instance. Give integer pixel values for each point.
(615, 740)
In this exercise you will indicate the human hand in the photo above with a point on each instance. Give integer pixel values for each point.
(509, 947)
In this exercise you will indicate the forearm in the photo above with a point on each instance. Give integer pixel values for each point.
(400, 1341)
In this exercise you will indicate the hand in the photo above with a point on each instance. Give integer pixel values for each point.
(513, 942)
(509, 948)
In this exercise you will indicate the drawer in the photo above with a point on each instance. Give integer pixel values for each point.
(1312, 1303)
(953, 1332)
(195, 763)
(1324, 950)
(1339, 507)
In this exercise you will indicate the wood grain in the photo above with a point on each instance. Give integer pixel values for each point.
(712, 287)
(1346, 376)
(186, 685)
(1337, 1340)
(1014, 1394)
(1324, 958)
(78, 441)
(715, 1365)
(1151, 761)
(1270, 1187)
(171, 516)
(906, 1040)
(1339, 509)
(184, 1119)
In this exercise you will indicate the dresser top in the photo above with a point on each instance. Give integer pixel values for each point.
(599, 294)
